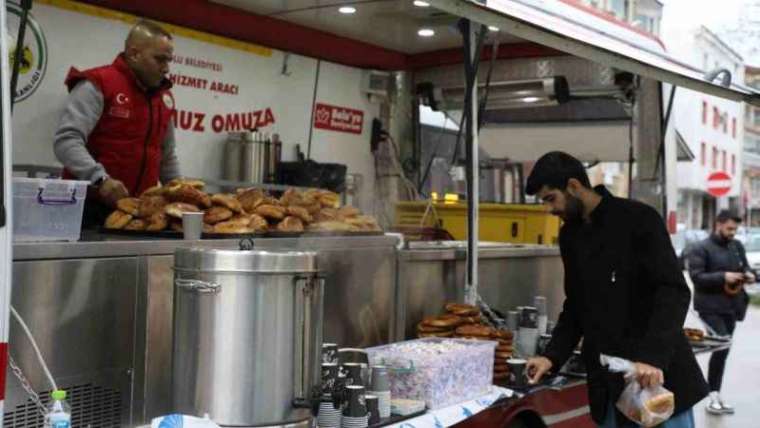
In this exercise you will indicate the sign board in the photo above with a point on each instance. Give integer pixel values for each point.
(220, 86)
(341, 119)
(719, 184)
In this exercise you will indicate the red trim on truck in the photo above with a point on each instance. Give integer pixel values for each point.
(3, 367)
(274, 33)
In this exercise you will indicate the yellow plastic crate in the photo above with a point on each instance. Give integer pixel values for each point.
(516, 223)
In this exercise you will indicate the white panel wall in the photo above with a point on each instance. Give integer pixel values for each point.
(84, 41)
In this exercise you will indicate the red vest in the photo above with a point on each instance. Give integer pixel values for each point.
(128, 138)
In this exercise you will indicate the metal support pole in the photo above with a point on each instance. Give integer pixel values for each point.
(472, 48)
(26, 5)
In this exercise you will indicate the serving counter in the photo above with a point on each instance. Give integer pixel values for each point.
(433, 273)
(109, 300)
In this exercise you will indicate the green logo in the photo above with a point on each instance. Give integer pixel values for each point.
(34, 57)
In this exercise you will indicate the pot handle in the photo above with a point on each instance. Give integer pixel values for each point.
(308, 295)
(198, 286)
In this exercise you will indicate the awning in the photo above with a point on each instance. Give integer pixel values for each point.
(684, 153)
(553, 24)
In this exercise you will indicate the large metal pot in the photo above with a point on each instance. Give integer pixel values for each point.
(247, 335)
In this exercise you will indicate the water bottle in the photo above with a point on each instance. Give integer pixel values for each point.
(59, 412)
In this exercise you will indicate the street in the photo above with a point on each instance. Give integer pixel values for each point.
(742, 378)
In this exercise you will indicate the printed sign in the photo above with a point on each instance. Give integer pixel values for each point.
(34, 56)
(341, 119)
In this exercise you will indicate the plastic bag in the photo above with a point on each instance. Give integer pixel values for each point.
(647, 407)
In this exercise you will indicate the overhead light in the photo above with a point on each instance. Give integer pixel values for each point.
(492, 28)
(347, 10)
(510, 94)
(426, 32)
(420, 3)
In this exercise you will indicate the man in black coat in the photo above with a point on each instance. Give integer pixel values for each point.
(624, 293)
(719, 269)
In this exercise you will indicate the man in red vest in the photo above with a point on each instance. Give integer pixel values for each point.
(116, 130)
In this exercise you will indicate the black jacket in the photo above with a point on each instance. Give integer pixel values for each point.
(627, 298)
(708, 261)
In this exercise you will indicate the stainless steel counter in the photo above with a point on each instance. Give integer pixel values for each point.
(102, 309)
(484, 252)
(95, 245)
(431, 274)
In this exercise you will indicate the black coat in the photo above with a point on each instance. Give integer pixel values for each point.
(626, 297)
(708, 261)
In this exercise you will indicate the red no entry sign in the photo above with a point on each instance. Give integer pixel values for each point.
(718, 183)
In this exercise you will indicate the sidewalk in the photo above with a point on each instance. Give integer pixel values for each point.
(741, 383)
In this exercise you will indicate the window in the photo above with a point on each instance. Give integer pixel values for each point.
(704, 112)
(733, 127)
(705, 61)
(646, 23)
(752, 145)
(619, 8)
(756, 117)
(733, 164)
(716, 118)
(756, 188)
(703, 154)
(715, 158)
(723, 162)
(724, 121)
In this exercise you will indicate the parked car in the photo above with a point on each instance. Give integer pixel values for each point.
(752, 247)
(683, 239)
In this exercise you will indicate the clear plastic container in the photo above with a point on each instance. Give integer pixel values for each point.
(440, 372)
(47, 210)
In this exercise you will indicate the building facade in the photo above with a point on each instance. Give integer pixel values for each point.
(713, 129)
(751, 155)
(644, 14)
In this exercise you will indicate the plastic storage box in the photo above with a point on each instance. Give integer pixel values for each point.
(440, 372)
(47, 210)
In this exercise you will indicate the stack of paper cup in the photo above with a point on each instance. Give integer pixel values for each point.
(354, 422)
(329, 416)
(381, 387)
(355, 411)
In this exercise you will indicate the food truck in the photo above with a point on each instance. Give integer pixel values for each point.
(138, 324)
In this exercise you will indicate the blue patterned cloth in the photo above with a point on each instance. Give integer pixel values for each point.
(456, 413)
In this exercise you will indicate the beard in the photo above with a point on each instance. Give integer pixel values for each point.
(573, 212)
(726, 236)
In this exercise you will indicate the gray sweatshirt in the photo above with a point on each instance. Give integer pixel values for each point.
(84, 106)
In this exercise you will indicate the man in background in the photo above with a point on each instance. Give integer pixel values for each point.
(719, 269)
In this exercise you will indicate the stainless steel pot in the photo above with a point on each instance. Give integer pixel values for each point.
(233, 156)
(247, 335)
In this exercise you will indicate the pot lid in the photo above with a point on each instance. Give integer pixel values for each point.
(255, 261)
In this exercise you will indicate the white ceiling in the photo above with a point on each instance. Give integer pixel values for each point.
(392, 24)
(600, 141)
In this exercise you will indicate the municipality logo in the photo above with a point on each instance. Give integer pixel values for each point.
(34, 56)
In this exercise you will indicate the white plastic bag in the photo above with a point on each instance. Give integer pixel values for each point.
(647, 407)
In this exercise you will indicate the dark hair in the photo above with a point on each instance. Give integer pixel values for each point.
(726, 215)
(554, 170)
